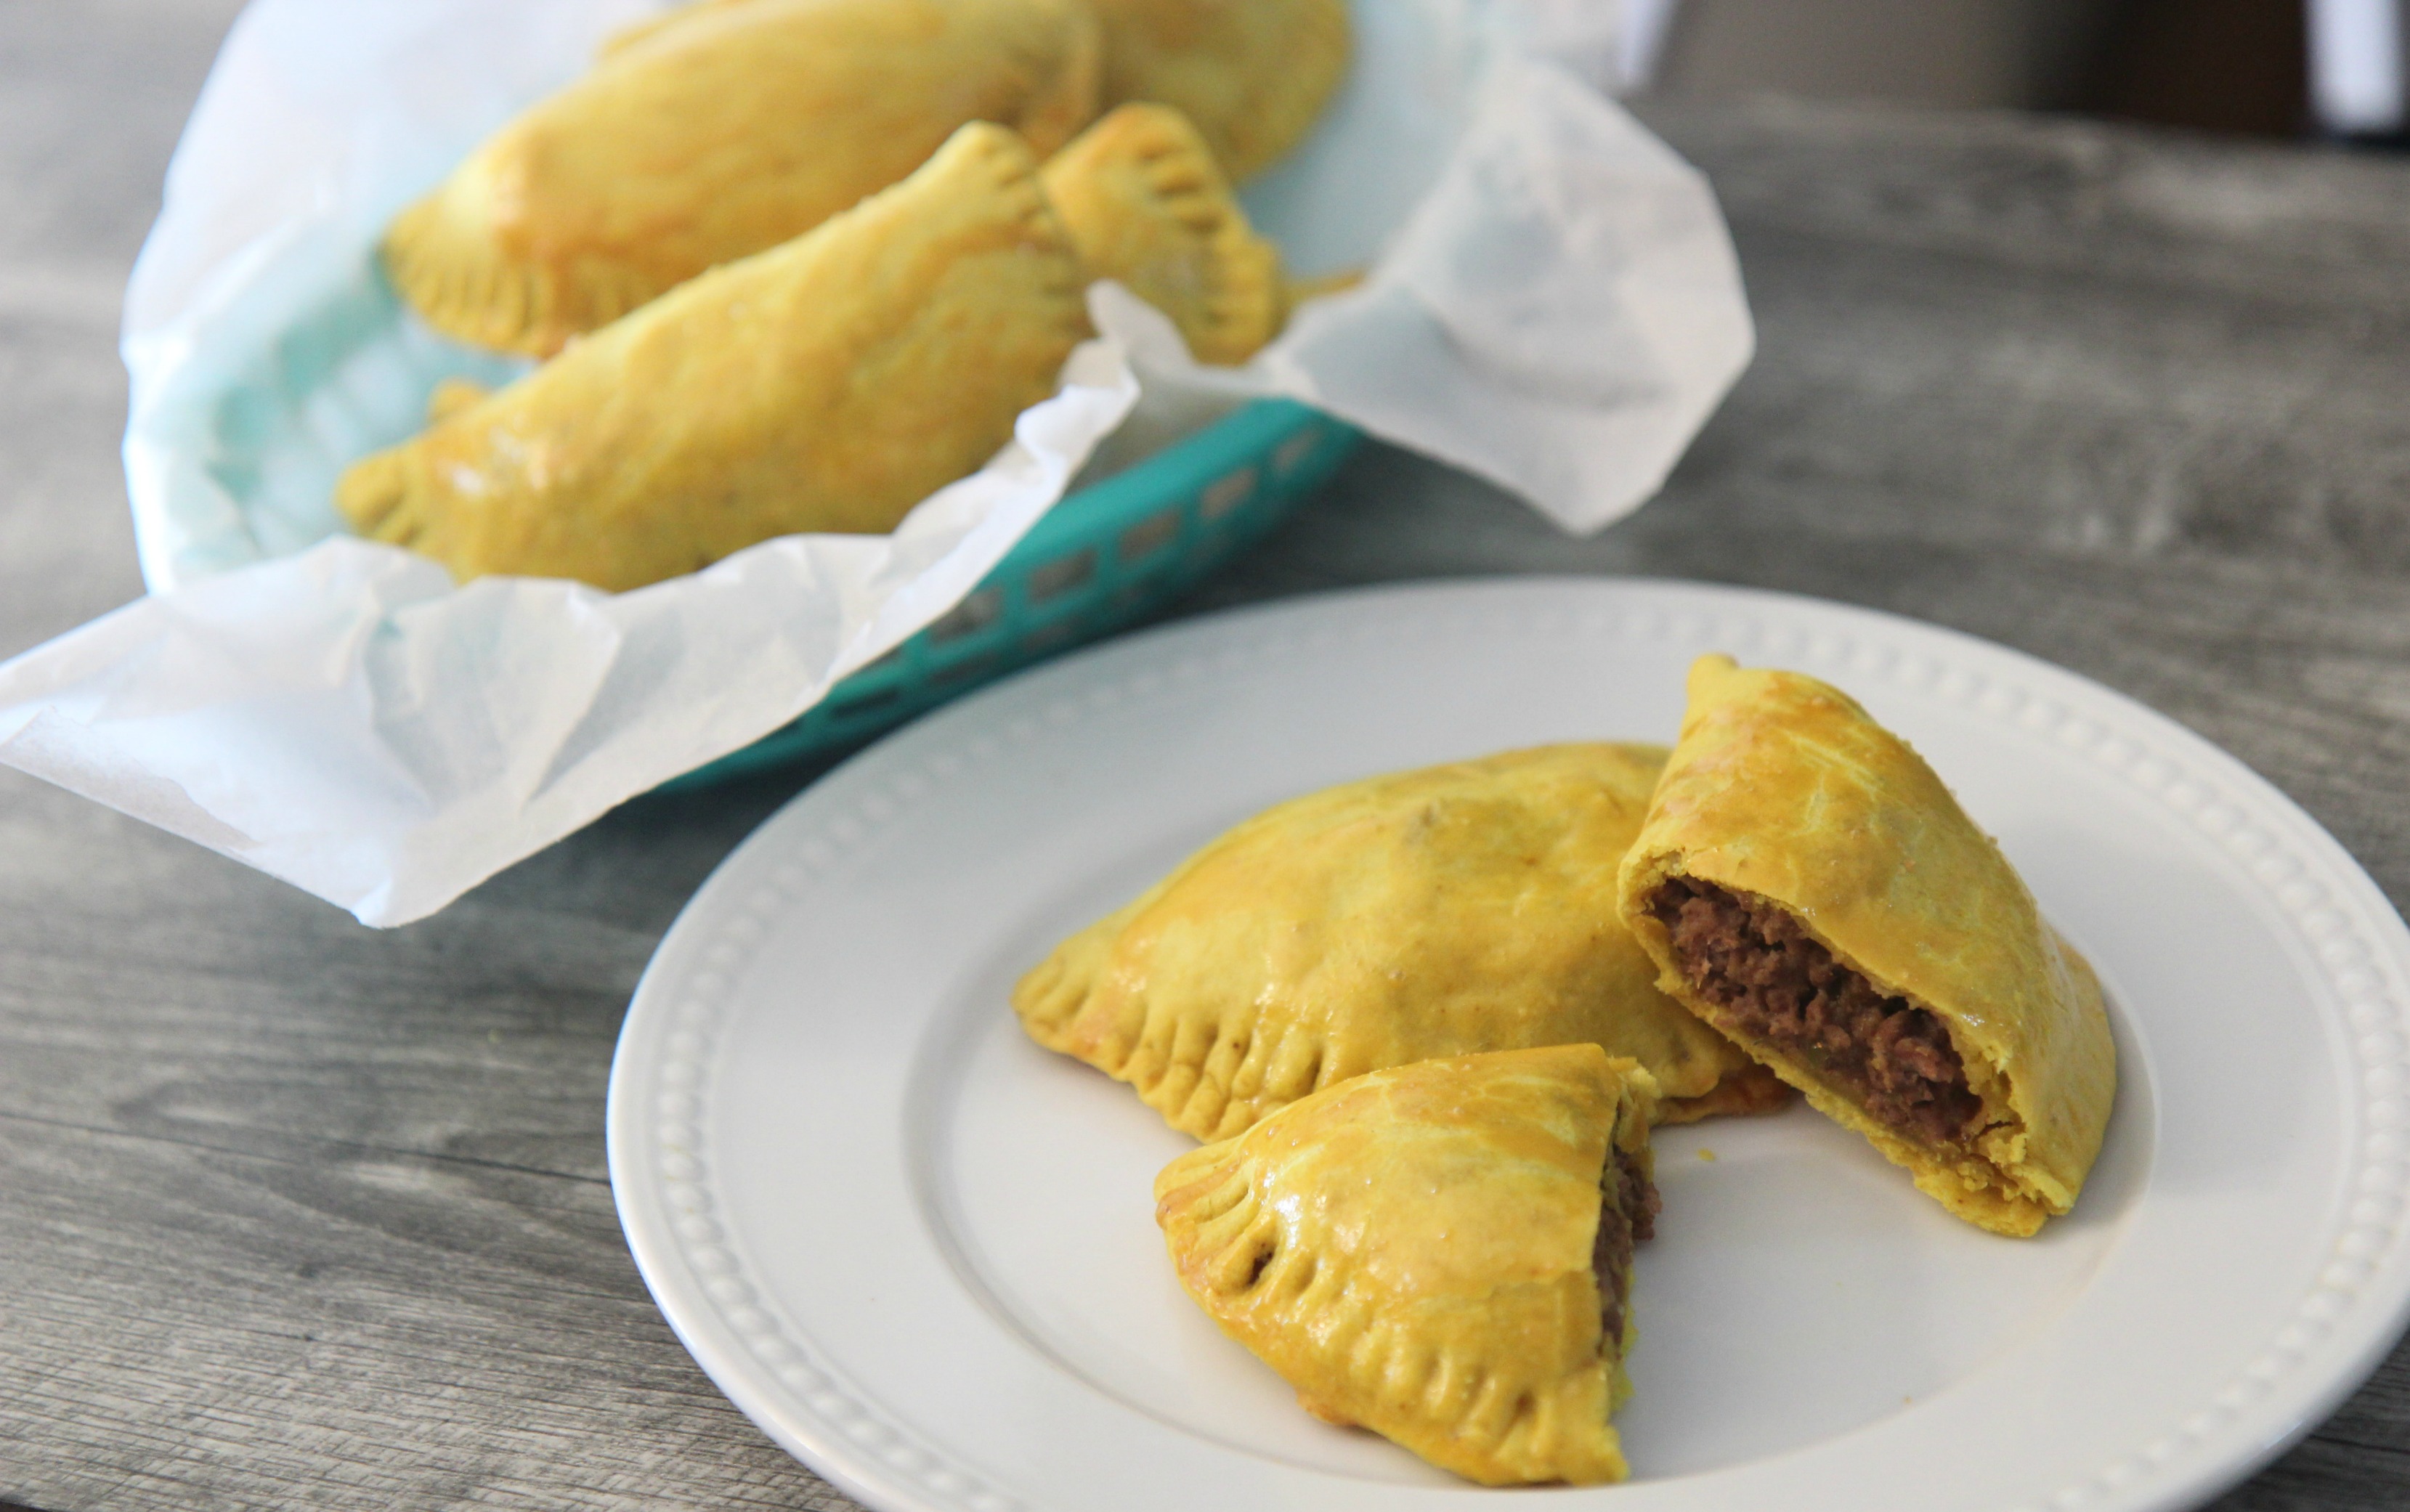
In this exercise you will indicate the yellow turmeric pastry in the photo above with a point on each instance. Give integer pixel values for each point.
(829, 384)
(453, 395)
(1144, 203)
(1440, 1252)
(714, 132)
(1252, 74)
(1445, 911)
(1810, 887)
(1321, 286)
(637, 32)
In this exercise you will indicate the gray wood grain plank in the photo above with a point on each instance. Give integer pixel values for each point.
(2302, 672)
(324, 1222)
(378, 1329)
(294, 1213)
(95, 96)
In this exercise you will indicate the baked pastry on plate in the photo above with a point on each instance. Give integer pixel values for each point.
(1253, 75)
(1147, 206)
(1440, 1252)
(1445, 911)
(717, 130)
(1808, 886)
(829, 384)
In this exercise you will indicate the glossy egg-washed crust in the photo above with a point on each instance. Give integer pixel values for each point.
(829, 384)
(1252, 74)
(1782, 788)
(714, 132)
(1411, 1250)
(1146, 205)
(1444, 911)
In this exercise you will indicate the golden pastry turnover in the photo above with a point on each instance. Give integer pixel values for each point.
(1147, 206)
(1810, 888)
(1252, 74)
(451, 395)
(1444, 911)
(714, 132)
(1440, 1252)
(829, 384)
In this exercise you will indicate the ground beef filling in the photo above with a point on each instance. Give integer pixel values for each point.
(1627, 1214)
(1769, 980)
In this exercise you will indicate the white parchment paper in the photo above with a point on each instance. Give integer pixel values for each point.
(1552, 303)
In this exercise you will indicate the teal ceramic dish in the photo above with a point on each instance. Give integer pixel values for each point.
(1102, 557)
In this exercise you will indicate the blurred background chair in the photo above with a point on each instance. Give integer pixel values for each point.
(2261, 68)
(2356, 74)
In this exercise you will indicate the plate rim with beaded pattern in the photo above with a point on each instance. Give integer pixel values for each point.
(909, 1246)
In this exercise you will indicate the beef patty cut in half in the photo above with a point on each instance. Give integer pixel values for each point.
(1767, 981)
(1810, 888)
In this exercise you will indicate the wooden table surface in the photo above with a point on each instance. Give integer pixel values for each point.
(296, 1213)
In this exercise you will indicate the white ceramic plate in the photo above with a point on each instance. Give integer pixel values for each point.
(921, 1253)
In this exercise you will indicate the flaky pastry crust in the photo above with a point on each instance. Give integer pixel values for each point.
(1253, 76)
(716, 131)
(1147, 206)
(827, 384)
(1412, 1251)
(1444, 911)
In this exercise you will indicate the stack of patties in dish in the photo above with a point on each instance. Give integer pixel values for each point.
(1375, 999)
(798, 264)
